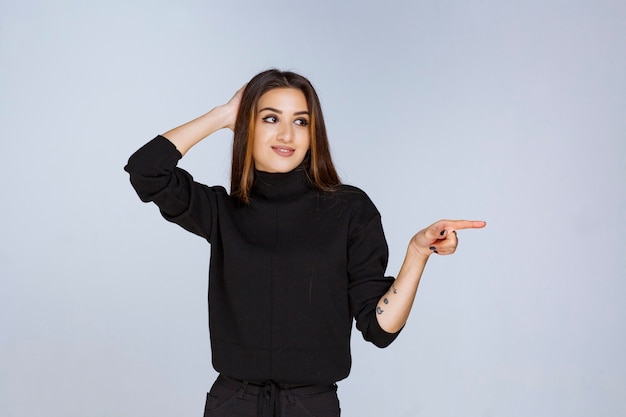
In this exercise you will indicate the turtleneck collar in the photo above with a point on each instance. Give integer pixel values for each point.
(271, 185)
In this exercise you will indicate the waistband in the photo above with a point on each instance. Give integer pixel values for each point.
(257, 387)
(270, 393)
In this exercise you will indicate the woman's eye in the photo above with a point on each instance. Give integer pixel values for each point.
(270, 119)
(302, 122)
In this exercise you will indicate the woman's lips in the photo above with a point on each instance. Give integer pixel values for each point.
(283, 150)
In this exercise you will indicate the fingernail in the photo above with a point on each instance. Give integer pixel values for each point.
(432, 248)
(443, 232)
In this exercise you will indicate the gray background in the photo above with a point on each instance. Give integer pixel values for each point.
(512, 112)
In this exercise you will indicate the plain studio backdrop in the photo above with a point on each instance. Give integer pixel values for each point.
(512, 112)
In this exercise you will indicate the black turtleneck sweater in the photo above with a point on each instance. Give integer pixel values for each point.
(288, 271)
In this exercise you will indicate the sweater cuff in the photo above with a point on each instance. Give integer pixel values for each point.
(163, 143)
(379, 336)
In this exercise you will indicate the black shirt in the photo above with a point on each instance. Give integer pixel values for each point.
(288, 271)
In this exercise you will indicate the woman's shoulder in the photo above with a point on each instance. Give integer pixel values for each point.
(351, 191)
(354, 197)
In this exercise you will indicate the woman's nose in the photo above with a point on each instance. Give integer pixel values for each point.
(285, 132)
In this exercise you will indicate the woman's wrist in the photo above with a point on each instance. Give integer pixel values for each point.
(418, 252)
(227, 115)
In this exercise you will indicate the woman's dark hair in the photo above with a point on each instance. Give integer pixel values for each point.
(317, 162)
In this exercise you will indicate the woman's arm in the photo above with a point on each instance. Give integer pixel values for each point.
(190, 133)
(394, 307)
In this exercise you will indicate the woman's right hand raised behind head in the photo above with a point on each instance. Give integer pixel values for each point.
(187, 135)
(233, 108)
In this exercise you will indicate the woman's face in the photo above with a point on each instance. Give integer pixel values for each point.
(281, 130)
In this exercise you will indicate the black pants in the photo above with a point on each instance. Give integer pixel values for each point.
(233, 398)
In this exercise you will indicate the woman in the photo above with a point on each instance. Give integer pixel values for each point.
(295, 254)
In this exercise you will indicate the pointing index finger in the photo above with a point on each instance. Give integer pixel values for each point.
(451, 225)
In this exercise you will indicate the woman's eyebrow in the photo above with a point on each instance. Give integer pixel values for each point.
(270, 109)
(280, 111)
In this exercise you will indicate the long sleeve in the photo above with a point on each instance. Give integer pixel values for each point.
(181, 200)
(367, 262)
